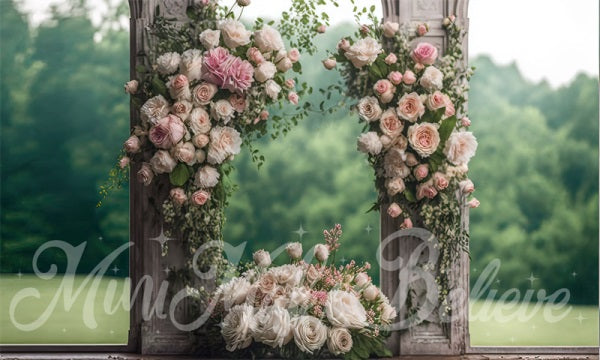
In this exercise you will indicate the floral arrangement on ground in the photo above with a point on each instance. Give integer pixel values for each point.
(412, 102)
(302, 309)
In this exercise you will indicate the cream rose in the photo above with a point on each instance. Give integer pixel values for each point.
(312, 274)
(411, 159)
(361, 279)
(262, 258)
(288, 275)
(321, 252)
(200, 197)
(410, 107)
(424, 138)
(182, 109)
(440, 181)
(268, 39)
(185, 152)
(179, 88)
(204, 93)
(369, 143)
(233, 292)
(309, 333)
(191, 64)
(145, 174)
(234, 33)
(222, 110)
(329, 63)
(421, 172)
(224, 142)
(162, 162)
(426, 190)
(200, 140)
(432, 79)
(199, 122)
(265, 71)
(299, 297)
(388, 312)
(395, 186)
(178, 196)
(390, 28)
(339, 341)
(210, 38)
(343, 309)
(389, 123)
(168, 63)
(237, 327)
(294, 250)
(460, 147)
(206, 177)
(272, 89)
(369, 109)
(272, 326)
(284, 64)
(154, 109)
(363, 52)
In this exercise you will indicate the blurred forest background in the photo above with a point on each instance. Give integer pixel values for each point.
(64, 116)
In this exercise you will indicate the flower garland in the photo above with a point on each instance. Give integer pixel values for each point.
(416, 130)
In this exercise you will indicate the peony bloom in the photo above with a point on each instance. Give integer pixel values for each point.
(466, 186)
(309, 333)
(168, 63)
(210, 38)
(389, 123)
(370, 293)
(460, 147)
(369, 109)
(200, 198)
(185, 152)
(178, 196)
(272, 326)
(361, 279)
(224, 142)
(395, 186)
(206, 177)
(272, 89)
(294, 250)
(394, 210)
(339, 341)
(262, 258)
(329, 63)
(191, 64)
(162, 162)
(131, 87)
(132, 144)
(182, 109)
(432, 79)
(424, 53)
(321, 252)
(214, 65)
(424, 138)
(290, 275)
(343, 309)
(363, 52)
(237, 327)
(154, 109)
(265, 71)
(167, 132)
(410, 107)
(293, 97)
(199, 121)
(440, 181)
(179, 88)
(369, 143)
(421, 172)
(268, 39)
(385, 90)
(390, 29)
(239, 75)
(299, 296)
(145, 174)
(203, 93)
(222, 110)
(409, 77)
(474, 203)
(234, 33)
(233, 292)
(395, 77)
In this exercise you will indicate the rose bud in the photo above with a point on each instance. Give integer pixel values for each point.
(452, 18)
(178, 196)
(284, 64)
(343, 45)
(131, 87)
(390, 29)
(145, 174)
(361, 279)
(391, 59)
(394, 210)
(243, 2)
(446, 22)
(321, 29)
(329, 63)
(200, 197)
(421, 172)
(364, 29)
(409, 77)
(200, 140)
(262, 258)
(294, 250)
(466, 122)
(440, 181)
(466, 186)
(473, 203)
(419, 67)
(407, 224)
(200, 156)
(264, 115)
(293, 98)
(124, 162)
(290, 83)
(132, 144)
(370, 293)
(422, 29)
(395, 77)
(321, 252)
(293, 55)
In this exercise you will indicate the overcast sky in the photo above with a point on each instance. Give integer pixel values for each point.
(549, 39)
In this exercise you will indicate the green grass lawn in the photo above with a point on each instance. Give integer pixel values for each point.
(68, 327)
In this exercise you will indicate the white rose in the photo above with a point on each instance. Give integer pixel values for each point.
(339, 341)
(321, 252)
(268, 39)
(299, 297)
(294, 250)
(210, 38)
(234, 33)
(370, 292)
(262, 258)
(154, 109)
(265, 71)
(206, 177)
(460, 147)
(363, 52)
(199, 121)
(369, 109)
(234, 292)
(289, 274)
(272, 326)
(191, 64)
(432, 79)
(168, 63)
(185, 153)
(222, 110)
(343, 309)
(369, 143)
(309, 333)
(390, 28)
(224, 142)
(284, 64)
(272, 89)
(162, 162)
(237, 327)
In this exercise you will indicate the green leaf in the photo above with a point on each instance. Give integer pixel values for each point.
(434, 116)
(446, 129)
(180, 175)
(409, 195)
(297, 67)
(159, 87)
(140, 68)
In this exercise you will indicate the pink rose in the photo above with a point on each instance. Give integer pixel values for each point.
(390, 125)
(255, 55)
(290, 83)
(178, 196)
(167, 132)
(321, 29)
(200, 141)
(466, 122)
(449, 106)
(435, 101)
(394, 210)
(264, 115)
(132, 144)
(424, 53)
(180, 88)
(391, 59)
(424, 138)
(385, 90)
(200, 197)
(343, 45)
(407, 224)
(239, 102)
(395, 77)
(422, 29)
(421, 171)
(410, 107)
(440, 181)
(203, 93)
(473, 203)
(145, 174)
(329, 63)
(409, 77)
(466, 186)
(293, 55)
(293, 98)
(426, 190)
(124, 161)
